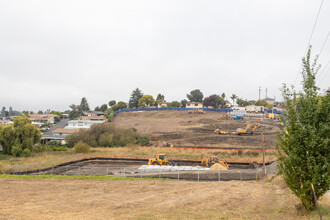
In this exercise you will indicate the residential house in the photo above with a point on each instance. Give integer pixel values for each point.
(162, 104)
(254, 108)
(82, 124)
(194, 105)
(94, 113)
(42, 119)
(93, 118)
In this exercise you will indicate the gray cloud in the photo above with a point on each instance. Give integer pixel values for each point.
(54, 53)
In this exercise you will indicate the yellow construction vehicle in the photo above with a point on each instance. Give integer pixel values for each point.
(211, 160)
(196, 111)
(219, 131)
(246, 130)
(160, 160)
(224, 116)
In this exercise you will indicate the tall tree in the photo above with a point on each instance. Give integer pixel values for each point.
(195, 96)
(103, 107)
(135, 97)
(76, 111)
(214, 101)
(146, 100)
(112, 102)
(233, 97)
(84, 105)
(304, 147)
(174, 104)
(223, 95)
(19, 138)
(183, 103)
(10, 111)
(160, 98)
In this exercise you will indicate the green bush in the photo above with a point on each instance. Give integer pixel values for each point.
(26, 152)
(81, 147)
(142, 139)
(16, 150)
(54, 144)
(106, 140)
(62, 148)
(106, 135)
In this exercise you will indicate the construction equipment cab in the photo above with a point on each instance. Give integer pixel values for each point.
(249, 129)
(220, 131)
(160, 160)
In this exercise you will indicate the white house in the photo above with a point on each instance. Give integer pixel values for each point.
(82, 124)
(194, 105)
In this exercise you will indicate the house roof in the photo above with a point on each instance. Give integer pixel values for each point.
(194, 102)
(66, 131)
(41, 116)
(92, 118)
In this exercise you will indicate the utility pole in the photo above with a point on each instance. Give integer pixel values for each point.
(259, 92)
(263, 154)
(266, 93)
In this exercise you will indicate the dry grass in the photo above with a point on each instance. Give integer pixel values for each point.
(47, 159)
(147, 199)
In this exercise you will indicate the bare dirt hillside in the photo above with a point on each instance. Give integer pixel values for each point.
(144, 199)
(183, 129)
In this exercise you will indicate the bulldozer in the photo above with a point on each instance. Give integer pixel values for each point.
(220, 131)
(211, 160)
(160, 160)
(247, 130)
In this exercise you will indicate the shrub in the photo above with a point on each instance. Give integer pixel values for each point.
(26, 152)
(142, 139)
(62, 148)
(106, 140)
(54, 144)
(81, 147)
(16, 150)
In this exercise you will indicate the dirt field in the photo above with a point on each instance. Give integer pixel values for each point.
(145, 199)
(183, 129)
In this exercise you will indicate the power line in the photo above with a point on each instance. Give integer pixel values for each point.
(323, 69)
(310, 38)
(326, 39)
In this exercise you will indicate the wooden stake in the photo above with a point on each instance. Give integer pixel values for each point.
(317, 204)
(263, 155)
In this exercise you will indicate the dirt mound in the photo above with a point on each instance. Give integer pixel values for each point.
(218, 166)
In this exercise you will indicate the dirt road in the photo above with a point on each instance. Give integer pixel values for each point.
(144, 199)
(183, 129)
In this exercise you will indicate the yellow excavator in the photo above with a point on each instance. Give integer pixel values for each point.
(220, 131)
(249, 129)
(224, 116)
(211, 160)
(160, 160)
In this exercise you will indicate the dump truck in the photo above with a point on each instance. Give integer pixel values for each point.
(160, 160)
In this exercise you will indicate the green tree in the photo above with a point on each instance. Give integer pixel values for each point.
(146, 100)
(135, 97)
(242, 102)
(97, 109)
(183, 103)
(233, 97)
(261, 103)
(76, 111)
(195, 96)
(223, 95)
(119, 105)
(84, 105)
(20, 137)
(214, 101)
(304, 147)
(103, 107)
(160, 98)
(112, 102)
(174, 104)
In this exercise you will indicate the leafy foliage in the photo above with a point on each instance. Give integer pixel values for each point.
(261, 103)
(81, 147)
(195, 96)
(112, 102)
(146, 100)
(233, 97)
(304, 147)
(174, 104)
(184, 103)
(160, 98)
(84, 104)
(106, 135)
(76, 111)
(19, 136)
(243, 103)
(214, 101)
(135, 97)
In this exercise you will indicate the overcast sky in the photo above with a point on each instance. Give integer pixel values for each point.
(53, 53)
